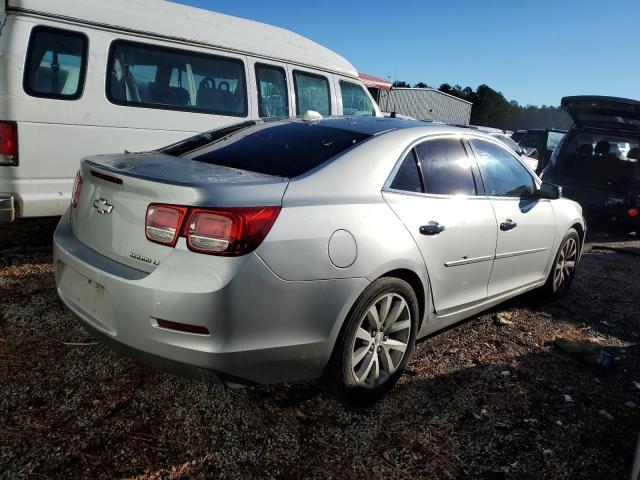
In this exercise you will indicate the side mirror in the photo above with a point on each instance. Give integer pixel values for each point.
(549, 191)
(531, 152)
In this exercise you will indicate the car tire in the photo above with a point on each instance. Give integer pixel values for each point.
(375, 343)
(564, 266)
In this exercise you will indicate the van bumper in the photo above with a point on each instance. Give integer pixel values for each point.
(7, 208)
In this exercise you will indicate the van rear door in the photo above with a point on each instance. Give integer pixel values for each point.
(608, 112)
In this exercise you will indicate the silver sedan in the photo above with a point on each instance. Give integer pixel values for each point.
(284, 250)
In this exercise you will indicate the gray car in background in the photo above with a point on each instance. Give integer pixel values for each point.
(284, 250)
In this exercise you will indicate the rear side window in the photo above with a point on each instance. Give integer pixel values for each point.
(312, 93)
(354, 100)
(56, 64)
(142, 75)
(284, 149)
(407, 177)
(503, 174)
(273, 100)
(553, 139)
(446, 168)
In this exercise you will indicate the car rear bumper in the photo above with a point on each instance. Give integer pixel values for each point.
(262, 329)
(7, 208)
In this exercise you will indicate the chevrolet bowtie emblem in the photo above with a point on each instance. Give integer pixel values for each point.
(103, 207)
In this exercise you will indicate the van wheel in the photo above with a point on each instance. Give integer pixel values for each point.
(375, 343)
(564, 266)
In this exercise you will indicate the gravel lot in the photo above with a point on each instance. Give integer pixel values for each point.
(481, 400)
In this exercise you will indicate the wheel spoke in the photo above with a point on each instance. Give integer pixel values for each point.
(385, 306)
(358, 355)
(387, 362)
(363, 335)
(365, 367)
(570, 264)
(372, 315)
(395, 345)
(395, 313)
(399, 326)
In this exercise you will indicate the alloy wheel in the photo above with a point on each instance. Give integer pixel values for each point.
(565, 264)
(381, 340)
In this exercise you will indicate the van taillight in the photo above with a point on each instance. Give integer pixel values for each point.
(77, 188)
(214, 231)
(8, 144)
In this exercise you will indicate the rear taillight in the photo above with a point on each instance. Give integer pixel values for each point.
(214, 231)
(163, 223)
(8, 144)
(77, 188)
(228, 231)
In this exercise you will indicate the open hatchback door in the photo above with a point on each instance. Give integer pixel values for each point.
(608, 112)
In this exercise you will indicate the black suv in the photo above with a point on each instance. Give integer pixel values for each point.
(596, 163)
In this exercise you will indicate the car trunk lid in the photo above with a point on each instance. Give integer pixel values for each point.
(117, 190)
(603, 112)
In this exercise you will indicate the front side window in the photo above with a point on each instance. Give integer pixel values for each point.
(446, 168)
(56, 64)
(407, 177)
(149, 76)
(312, 93)
(503, 174)
(272, 91)
(355, 101)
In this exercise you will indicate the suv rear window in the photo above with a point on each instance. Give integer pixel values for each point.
(286, 149)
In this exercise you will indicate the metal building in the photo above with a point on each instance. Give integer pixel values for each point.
(426, 104)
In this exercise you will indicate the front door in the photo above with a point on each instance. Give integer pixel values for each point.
(526, 226)
(435, 195)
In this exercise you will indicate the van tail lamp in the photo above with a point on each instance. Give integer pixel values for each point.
(163, 223)
(8, 144)
(633, 212)
(214, 231)
(77, 188)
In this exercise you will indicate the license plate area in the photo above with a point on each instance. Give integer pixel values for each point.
(88, 296)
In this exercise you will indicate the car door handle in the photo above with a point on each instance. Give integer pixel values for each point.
(433, 228)
(508, 225)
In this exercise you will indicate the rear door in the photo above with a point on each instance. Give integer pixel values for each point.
(526, 226)
(453, 224)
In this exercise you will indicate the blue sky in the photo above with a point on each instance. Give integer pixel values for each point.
(533, 51)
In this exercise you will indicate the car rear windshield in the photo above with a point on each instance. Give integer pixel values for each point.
(284, 149)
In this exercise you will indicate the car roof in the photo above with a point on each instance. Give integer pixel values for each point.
(370, 125)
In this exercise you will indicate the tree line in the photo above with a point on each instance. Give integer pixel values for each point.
(491, 109)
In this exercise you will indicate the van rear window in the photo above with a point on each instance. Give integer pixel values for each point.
(142, 75)
(56, 64)
(284, 149)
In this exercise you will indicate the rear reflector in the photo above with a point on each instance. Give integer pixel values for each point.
(163, 223)
(8, 144)
(182, 327)
(633, 212)
(77, 189)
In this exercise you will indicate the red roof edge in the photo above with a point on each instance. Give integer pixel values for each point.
(374, 82)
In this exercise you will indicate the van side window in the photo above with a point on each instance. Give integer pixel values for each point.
(141, 75)
(312, 93)
(273, 100)
(56, 64)
(354, 100)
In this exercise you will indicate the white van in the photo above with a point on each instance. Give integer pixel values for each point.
(80, 77)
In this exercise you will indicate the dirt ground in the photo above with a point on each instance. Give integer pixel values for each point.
(481, 400)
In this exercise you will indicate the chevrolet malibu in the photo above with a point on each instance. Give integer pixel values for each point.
(284, 250)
